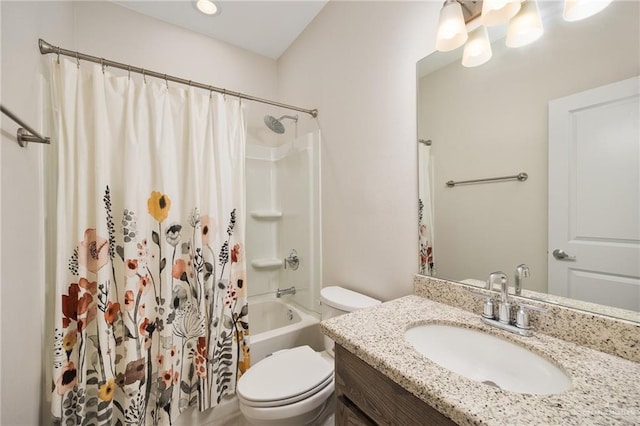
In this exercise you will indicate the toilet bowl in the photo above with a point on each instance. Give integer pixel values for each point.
(293, 386)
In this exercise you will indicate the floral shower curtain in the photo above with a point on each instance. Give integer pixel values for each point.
(425, 210)
(151, 310)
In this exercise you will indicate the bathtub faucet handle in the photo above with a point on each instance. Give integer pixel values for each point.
(292, 260)
(281, 292)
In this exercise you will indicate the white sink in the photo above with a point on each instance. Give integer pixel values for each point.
(488, 359)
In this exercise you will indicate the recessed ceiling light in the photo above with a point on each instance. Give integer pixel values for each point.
(207, 7)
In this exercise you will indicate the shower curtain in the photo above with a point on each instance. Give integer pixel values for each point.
(151, 310)
(425, 210)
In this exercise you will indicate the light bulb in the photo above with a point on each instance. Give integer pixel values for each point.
(477, 51)
(526, 26)
(452, 32)
(575, 10)
(207, 7)
(495, 12)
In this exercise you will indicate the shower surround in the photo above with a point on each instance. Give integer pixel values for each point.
(283, 205)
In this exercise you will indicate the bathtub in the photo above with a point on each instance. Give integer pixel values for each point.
(275, 325)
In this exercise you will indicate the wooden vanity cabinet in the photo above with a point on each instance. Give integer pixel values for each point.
(367, 397)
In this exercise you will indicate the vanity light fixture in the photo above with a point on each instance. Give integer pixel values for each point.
(452, 31)
(465, 21)
(207, 7)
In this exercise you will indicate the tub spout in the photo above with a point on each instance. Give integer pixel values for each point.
(282, 292)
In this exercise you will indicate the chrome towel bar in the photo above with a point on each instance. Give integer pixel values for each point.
(25, 133)
(520, 177)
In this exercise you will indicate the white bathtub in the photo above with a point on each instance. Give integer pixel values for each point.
(276, 325)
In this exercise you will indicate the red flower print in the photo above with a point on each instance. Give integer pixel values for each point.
(231, 296)
(143, 283)
(143, 325)
(87, 311)
(235, 253)
(201, 366)
(129, 300)
(91, 287)
(167, 377)
(132, 267)
(179, 269)
(67, 379)
(93, 252)
(201, 348)
(70, 305)
(76, 308)
(111, 313)
(201, 357)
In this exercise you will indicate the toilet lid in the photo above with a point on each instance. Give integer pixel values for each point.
(345, 299)
(287, 375)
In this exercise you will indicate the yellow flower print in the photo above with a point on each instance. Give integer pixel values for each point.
(158, 205)
(69, 340)
(106, 391)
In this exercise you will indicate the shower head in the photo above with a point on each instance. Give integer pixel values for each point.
(275, 124)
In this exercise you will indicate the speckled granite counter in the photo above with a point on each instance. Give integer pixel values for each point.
(606, 388)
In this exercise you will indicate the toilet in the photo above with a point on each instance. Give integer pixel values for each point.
(294, 386)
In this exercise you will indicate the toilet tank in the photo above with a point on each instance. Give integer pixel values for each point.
(336, 301)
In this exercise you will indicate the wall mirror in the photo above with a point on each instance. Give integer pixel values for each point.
(497, 120)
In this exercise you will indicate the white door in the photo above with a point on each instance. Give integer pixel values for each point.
(594, 195)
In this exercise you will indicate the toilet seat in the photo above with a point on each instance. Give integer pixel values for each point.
(285, 377)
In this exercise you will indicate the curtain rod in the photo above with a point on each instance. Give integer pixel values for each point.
(46, 48)
(26, 134)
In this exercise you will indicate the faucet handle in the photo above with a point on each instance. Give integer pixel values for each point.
(522, 316)
(487, 309)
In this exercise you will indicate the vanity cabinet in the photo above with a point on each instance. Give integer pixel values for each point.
(367, 397)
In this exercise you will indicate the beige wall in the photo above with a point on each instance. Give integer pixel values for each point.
(356, 63)
(22, 283)
(492, 121)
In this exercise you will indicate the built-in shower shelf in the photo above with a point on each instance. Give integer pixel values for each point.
(266, 263)
(266, 214)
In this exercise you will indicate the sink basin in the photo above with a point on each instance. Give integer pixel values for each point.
(488, 359)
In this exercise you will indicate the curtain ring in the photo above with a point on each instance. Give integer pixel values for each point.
(58, 55)
(210, 91)
(77, 60)
(129, 71)
(166, 81)
(102, 64)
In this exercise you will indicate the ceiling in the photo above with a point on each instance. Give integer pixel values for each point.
(260, 26)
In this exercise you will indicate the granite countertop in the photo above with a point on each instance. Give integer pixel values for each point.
(605, 391)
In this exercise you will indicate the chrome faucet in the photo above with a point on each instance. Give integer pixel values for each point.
(504, 307)
(522, 271)
(504, 322)
(281, 292)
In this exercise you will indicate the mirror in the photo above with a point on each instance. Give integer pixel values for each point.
(492, 121)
